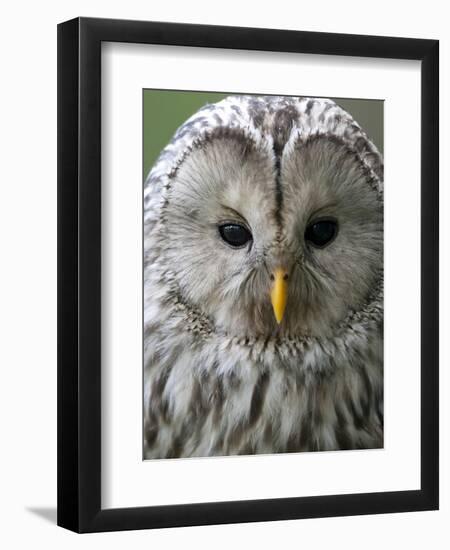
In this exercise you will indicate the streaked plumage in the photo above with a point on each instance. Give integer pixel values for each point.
(220, 375)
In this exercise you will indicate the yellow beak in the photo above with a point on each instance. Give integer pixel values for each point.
(278, 294)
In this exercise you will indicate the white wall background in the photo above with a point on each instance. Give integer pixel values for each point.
(28, 271)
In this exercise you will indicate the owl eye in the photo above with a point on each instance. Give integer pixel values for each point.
(234, 234)
(321, 233)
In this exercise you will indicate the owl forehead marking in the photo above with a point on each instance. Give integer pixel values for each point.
(278, 194)
(282, 123)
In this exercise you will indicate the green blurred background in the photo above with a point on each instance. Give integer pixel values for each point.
(166, 110)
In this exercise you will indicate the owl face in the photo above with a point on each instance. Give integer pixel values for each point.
(273, 233)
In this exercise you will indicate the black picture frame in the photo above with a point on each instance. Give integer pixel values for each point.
(79, 274)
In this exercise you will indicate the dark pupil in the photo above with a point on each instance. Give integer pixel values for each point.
(321, 233)
(234, 234)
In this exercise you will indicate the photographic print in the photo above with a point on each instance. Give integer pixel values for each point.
(263, 274)
(223, 247)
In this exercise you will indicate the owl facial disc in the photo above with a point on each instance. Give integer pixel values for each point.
(278, 294)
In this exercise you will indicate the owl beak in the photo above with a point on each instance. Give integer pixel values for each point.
(278, 293)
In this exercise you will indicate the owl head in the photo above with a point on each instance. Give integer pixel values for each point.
(264, 216)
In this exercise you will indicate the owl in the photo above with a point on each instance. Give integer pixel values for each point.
(263, 283)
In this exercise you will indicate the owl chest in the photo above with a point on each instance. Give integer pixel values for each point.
(193, 410)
